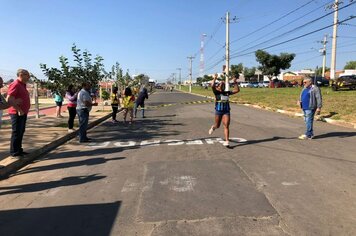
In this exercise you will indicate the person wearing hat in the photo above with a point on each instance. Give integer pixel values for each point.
(222, 106)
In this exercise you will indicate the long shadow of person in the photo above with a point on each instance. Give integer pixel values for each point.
(248, 142)
(336, 134)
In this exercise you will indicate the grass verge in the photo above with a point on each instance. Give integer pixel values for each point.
(338, 105)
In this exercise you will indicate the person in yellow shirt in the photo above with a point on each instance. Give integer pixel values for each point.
(115, 103)
(128, 102)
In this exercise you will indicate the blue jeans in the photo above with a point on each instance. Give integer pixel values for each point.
(309, 120)
(83, 115)
(18, 124)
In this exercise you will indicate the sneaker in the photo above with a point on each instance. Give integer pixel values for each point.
(71, 130)
(211, 130)
(303, 137)
(226, 143)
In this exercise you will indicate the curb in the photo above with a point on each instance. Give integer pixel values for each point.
(11, 164)
(320, 118)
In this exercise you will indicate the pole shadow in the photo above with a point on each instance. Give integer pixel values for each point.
(89, 219)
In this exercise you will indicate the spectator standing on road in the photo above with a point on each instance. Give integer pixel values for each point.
(222, 107)
(128, 104)
(140, 101)
(311, 103)
(19, 99)
(115, 103)
(71, 96)
(3, 103)
(59, 102)
(84, 106)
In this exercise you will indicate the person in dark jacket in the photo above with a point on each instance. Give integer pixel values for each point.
(140, 101)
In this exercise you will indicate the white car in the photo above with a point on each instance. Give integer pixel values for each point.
(244, 84)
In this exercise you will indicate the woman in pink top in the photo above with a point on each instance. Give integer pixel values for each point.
(71, 96)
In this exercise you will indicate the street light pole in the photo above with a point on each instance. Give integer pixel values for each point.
(190, 73)
(180, 79)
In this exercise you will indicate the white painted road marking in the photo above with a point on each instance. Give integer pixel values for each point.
(290, 183)
(170, 142)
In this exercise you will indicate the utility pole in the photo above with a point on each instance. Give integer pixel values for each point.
(37, 108)
(190, 72)
(227, 67)
(202, 65)
(334, 43)
(324, 55)
(227, 47)
(180, 79)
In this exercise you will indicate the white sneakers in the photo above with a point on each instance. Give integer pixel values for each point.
(211, 130)
(71, 130)
(304, 137)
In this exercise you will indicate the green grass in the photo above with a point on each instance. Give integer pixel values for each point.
(339, 105)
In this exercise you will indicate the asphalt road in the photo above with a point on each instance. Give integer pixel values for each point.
(164, 175)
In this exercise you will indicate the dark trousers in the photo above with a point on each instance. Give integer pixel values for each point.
(72, 113)
(142, 105)
(18, 124)
(115, 108)
(83, 115)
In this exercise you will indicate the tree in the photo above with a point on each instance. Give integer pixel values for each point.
(249, 73)
(351, 65)
(58, 79)
(319, 70)
(236, 70)
(105, 95)
(271, 65)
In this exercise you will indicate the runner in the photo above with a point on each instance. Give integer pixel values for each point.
(222, 106)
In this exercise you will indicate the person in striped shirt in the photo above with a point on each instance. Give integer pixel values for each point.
(222, 106)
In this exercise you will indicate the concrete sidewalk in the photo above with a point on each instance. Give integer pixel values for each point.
(44, 134)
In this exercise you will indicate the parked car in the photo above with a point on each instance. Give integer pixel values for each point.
(158, 86)
(254, 85)
(320, 81)
(345, 81)
(244, 85)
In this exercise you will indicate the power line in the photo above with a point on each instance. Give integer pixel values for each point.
(298, 37)
(271, 23)
(295, 29)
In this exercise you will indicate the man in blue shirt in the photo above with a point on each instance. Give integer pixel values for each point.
(311, 103)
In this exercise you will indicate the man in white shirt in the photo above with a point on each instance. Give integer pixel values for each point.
(84, 105)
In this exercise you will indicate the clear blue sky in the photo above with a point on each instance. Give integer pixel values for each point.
(155, 37)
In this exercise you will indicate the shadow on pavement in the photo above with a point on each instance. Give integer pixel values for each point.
(239, 144)
(336, 134)
(87, 162)
(36, 187)
(90, 219)
(141, 129)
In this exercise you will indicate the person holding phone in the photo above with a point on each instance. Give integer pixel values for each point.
(222, 106)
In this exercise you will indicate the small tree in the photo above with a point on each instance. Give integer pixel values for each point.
(59, 79)
(105, 95)
(350, 65)
(236, 70)
(271, 65)
(249, 73)
(319, 70)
